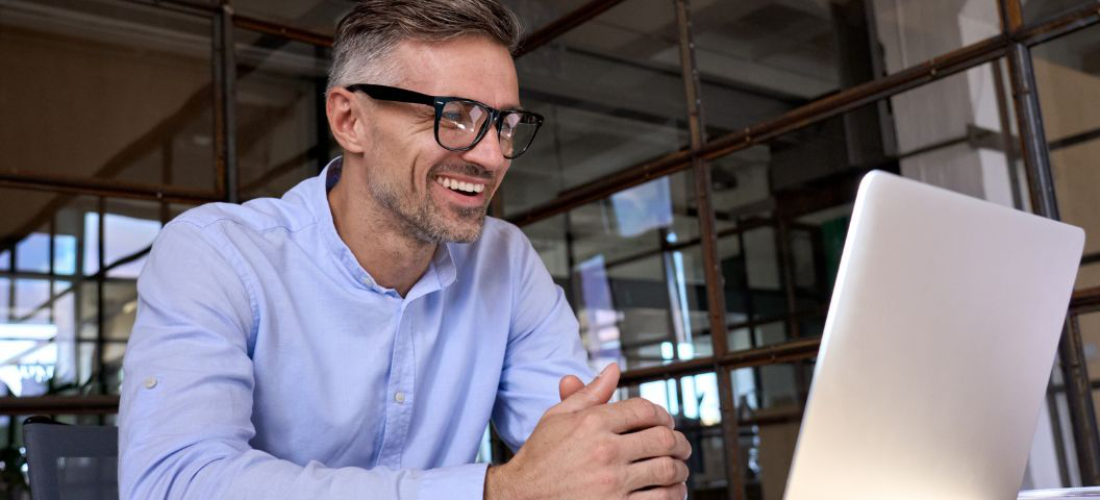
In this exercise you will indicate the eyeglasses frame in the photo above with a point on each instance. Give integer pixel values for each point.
(496, 116)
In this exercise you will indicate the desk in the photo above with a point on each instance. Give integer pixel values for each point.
(1062, 493)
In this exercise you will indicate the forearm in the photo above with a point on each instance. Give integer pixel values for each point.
(201, 473)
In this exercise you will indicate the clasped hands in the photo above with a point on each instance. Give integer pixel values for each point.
(587, 448)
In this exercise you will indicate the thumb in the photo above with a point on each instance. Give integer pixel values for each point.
(597, 392)
(569, 385)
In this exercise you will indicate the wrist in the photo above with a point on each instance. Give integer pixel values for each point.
(497, 483)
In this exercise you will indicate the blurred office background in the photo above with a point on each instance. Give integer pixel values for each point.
(690, 190)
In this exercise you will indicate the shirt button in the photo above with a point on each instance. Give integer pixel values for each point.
(399, 397)
(150, 382)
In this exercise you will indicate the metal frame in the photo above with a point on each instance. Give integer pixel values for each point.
(225, 95)
(716, 302)
(1013, 44)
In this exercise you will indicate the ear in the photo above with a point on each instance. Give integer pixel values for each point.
(344, 120)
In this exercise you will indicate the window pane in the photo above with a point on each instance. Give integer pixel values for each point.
(769, 402)
(112, 366)
(1043, 10)
(282, 132)
(548, 238)
(321, 16)
(28, 229)
(129, 93)
(64, 312)
(6, 294)
(131, 227)
(31, 297)
(1067, 77)
(759, 59)
(633, 271)
(37, 340)
(536, 14)
(318, 16)
(87, 299)
(27, 358)
(693, 403)
(119, 308)
(612, 94)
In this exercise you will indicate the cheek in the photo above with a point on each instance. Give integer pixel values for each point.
(421, 164)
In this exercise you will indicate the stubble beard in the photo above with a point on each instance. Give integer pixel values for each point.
(426, 222)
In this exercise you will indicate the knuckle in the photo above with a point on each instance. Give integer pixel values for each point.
(666, 470)
(605, 452)
(682, 471)
(656, 412)
(666, 439)
(608, 481)
(590, 420)
(646, 411)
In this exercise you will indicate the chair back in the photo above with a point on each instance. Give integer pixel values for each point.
(71, 462)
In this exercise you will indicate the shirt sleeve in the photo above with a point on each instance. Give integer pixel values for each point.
(185, 416)
(544, 345)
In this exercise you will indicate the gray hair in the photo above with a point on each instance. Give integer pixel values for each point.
(373, 28)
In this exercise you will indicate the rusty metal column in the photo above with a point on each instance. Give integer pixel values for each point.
(716, 301)
(225, 97)
(1040, 182)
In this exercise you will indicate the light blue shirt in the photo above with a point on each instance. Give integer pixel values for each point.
(266, 363)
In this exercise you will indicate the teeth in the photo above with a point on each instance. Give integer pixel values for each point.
(467, 187)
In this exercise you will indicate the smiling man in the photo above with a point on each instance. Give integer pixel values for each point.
(353, 338)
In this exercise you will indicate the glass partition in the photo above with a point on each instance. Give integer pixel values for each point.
(693, 403)
(1069, 84)
(128, 97)
(613, 97)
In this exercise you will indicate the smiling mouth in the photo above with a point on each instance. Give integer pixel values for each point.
(471, 189)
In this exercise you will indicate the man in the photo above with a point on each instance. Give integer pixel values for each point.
(353, 338)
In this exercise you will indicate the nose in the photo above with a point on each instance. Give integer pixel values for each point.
(487, 153)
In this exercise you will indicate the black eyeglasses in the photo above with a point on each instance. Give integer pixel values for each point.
(461, 123)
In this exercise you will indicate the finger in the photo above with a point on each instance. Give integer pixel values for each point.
(660, 471)
(634, 414)
(674, 492)
(569, 385)
(598, 392)
(655, 442)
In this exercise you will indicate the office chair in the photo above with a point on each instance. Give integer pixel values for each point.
(71, 462)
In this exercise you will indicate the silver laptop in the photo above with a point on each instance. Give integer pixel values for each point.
(939, 343)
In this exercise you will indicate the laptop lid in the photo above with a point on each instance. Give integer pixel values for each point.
(941, 334)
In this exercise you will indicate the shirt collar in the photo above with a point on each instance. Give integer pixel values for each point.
(440, 274)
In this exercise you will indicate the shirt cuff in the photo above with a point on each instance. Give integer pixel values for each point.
(460, 482)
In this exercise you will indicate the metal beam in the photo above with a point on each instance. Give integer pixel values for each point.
(225, 96)
(282, 31)
(716, 300)
(563, 25)
(105, 187)
(794, 350)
